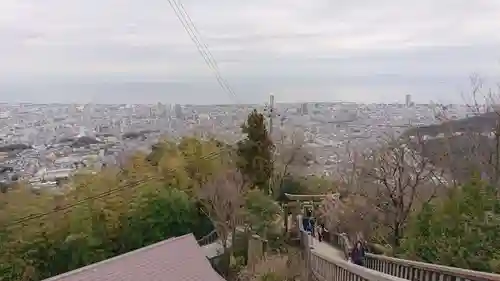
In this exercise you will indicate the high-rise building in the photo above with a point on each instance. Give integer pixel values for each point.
(304, 109)
(408, 102)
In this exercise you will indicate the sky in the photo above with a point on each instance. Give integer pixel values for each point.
(322, 50)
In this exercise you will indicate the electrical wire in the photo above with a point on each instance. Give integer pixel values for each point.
(205, 52)
(201, 46)
(196, 31)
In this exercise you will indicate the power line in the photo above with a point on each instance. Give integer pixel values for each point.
(202, 47)
(204, 51)
(94, 197)
(191, 28)
(80, 202)
(196, 31)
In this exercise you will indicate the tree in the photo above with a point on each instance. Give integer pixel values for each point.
(290, 158)
(191, 163)
(340, 213)
(160, 215)
(141, 206)
(290, 185)
(381, 188)
(468, 145)
(203, 159)
(460, 230)
(223, 199)
(261, 212)
(396, 180)
(255, 152)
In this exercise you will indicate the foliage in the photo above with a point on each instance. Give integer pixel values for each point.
(278, 267)
(222, 199)
(309, 185)
(276, 242)
(461, 230)
(190, 164)
(240, 246)
(255, 152)
(318, 185)
(261, 211)
(152, 199)
(160, 214)
(292, 186)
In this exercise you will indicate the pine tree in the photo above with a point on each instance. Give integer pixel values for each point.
(255, 152)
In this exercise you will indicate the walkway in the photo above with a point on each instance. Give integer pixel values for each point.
(215, 249)
(326, 249)
(328, 263)
(383, 268)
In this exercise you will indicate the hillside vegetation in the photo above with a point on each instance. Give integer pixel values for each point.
(133, 207)
(178, 188)
(461, 146)
(390, 196)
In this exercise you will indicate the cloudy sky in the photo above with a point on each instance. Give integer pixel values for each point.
(316, 50)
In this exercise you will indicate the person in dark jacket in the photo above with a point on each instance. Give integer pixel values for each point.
(358, 254)
(306, 224)
(312, 223)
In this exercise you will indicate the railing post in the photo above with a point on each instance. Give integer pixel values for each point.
(255, 250)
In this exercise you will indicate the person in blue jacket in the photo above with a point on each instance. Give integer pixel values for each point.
(308, 222)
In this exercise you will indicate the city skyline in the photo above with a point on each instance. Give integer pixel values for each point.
(89, 51)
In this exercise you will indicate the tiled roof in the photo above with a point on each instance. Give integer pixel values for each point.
(175, 259)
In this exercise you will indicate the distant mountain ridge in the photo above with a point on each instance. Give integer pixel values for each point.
(464, 153)
(482, 123)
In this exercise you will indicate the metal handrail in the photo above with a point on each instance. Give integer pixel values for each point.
(209, 238)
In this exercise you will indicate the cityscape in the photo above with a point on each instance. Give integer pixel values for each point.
(249, 140)
(42, 144)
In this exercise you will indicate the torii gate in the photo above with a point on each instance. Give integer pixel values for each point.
(298, 203)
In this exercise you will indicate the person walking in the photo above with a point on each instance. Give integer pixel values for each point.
(308, 223)
(358, 254)
(319, 232)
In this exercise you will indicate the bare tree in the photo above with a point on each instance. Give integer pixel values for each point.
(351, 214)
(397, 180)
(291, 157)
(223, 198)
(351, 203)
(348, 172)
(383, 187)
(379, 188)
(472, 145)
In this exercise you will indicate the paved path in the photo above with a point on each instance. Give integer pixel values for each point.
(213, 250)
(326, 249)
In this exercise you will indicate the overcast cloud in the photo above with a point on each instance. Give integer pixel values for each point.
(137, 51)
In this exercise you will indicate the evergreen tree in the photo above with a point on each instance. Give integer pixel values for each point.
(461, 230)
(255, 152)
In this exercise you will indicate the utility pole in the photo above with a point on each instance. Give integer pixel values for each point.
(271, 117)
(271, 114)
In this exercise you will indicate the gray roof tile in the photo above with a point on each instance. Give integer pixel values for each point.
(175, 259)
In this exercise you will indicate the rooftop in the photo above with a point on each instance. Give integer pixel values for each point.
(175, 259)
